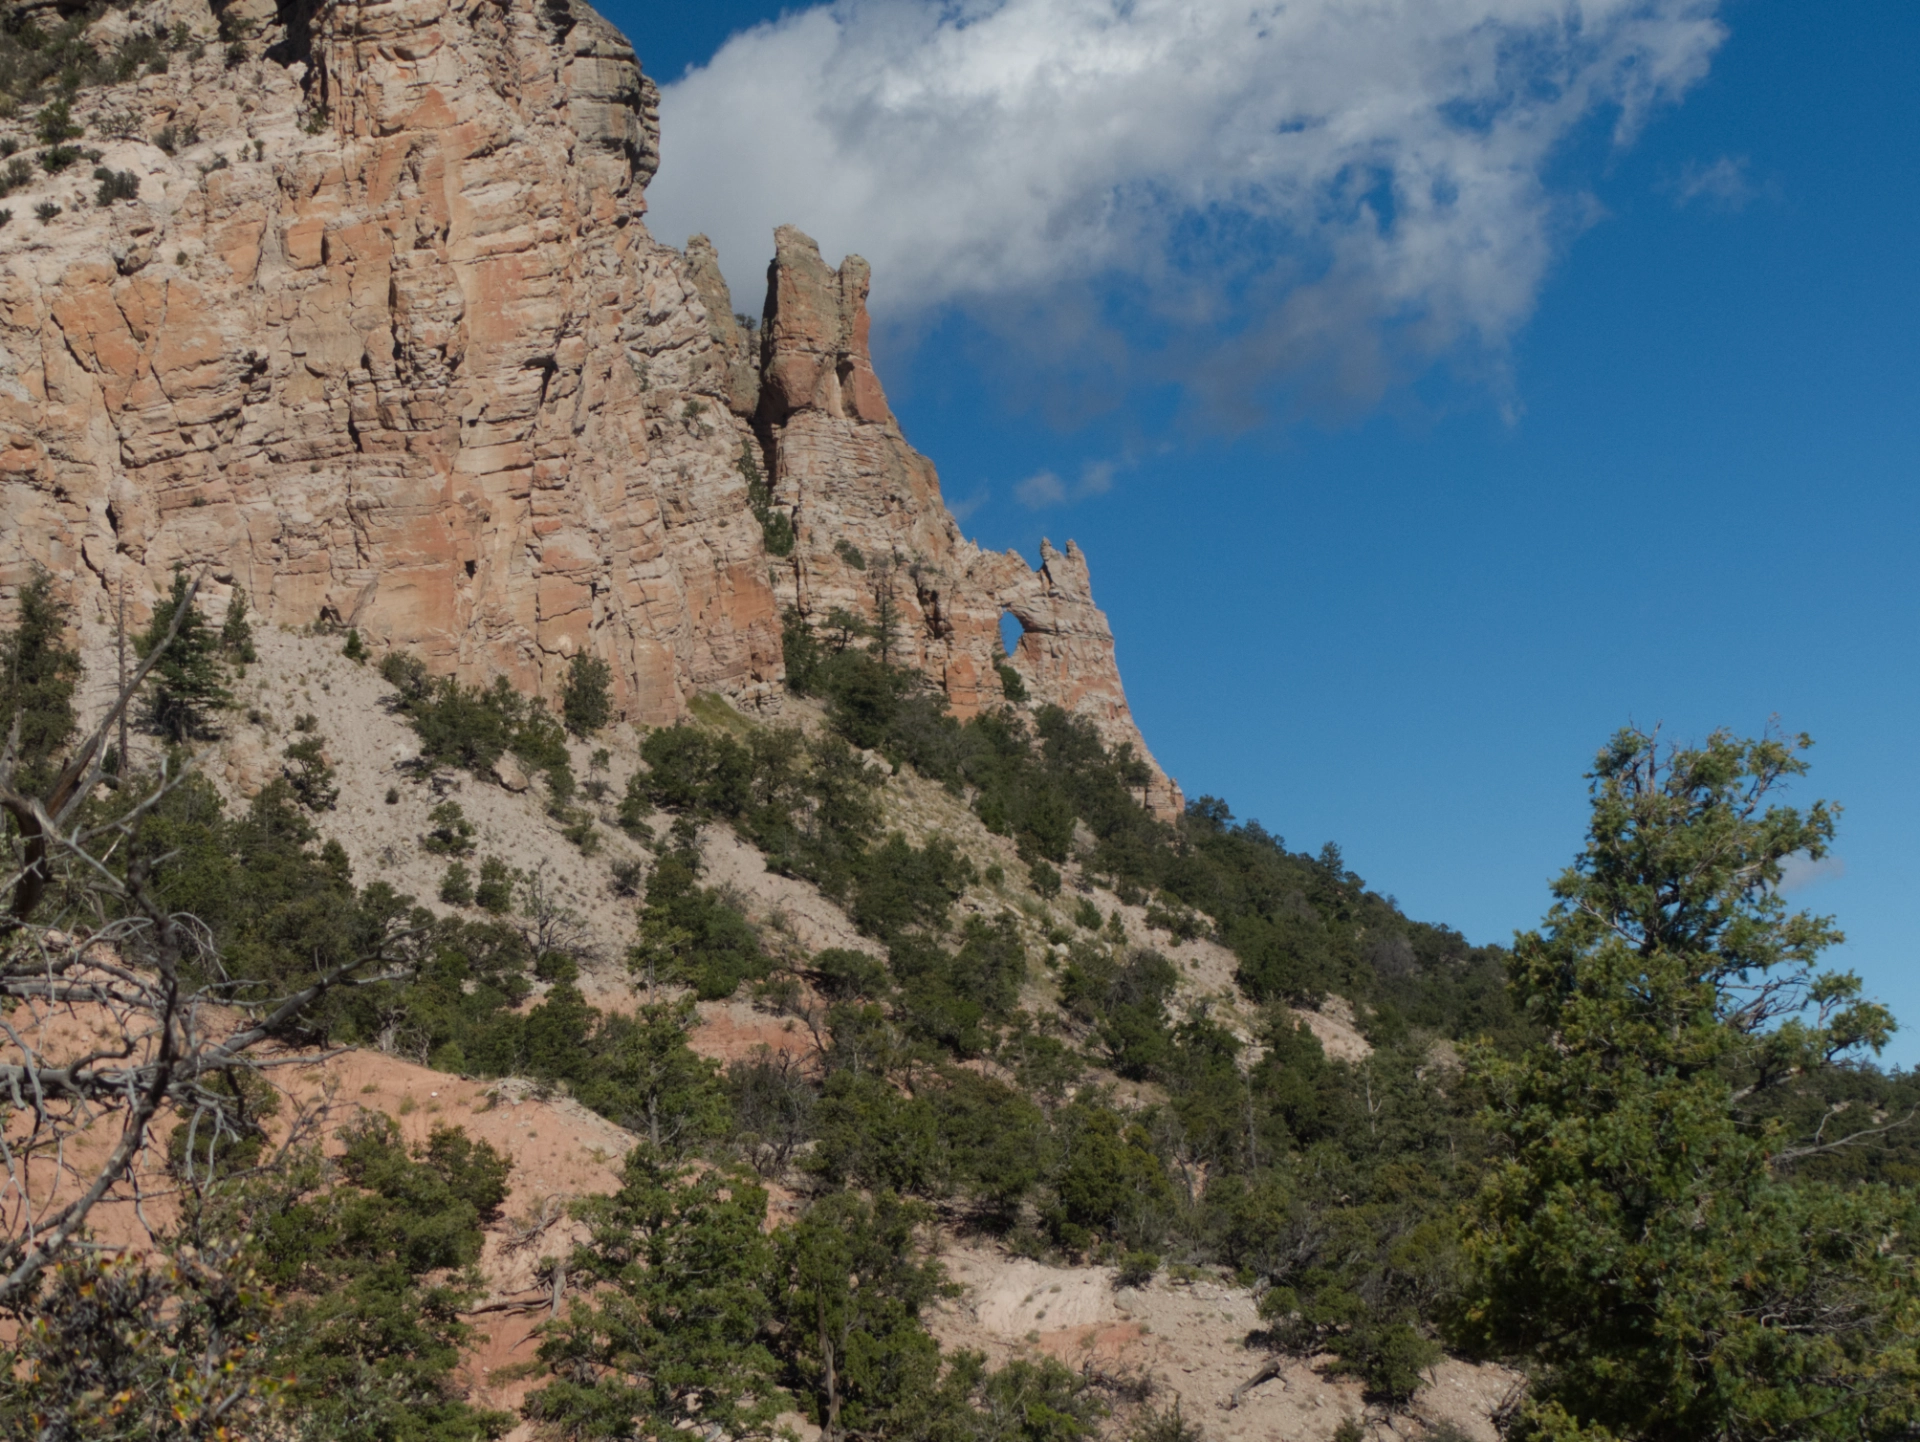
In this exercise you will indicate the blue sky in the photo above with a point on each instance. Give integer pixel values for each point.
(1638, 444)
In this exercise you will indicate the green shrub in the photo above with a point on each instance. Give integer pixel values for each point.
(309, 775)
(586, 699)
(55, 123)
(173, 138)
(39, 671)
(776, 526)
(494, 892)
(691, 935)
(843, 975)
(189, 682)
(1114, 1186)
(1124, 999)
(871, 1136)
(1170, 1424)
(997, 1144)
(470, 726)
(456, 887)
(115, 185)
(636, 804)
(451, 833)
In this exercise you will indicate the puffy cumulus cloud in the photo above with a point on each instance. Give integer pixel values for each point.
(1338, 186)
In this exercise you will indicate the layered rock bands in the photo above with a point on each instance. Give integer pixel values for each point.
(384, 339)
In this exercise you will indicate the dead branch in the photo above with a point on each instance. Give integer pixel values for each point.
(1273, 1371)
(117, 1019)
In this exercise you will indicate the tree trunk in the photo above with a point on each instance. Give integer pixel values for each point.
(831, 1432)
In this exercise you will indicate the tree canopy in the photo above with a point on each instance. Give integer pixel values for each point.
(1642, 1238)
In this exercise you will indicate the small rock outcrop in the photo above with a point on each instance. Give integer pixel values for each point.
(384, 339)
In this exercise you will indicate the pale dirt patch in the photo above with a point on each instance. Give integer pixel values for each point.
(1189, 1339)
(1333, 1027)
(788, 907)
(1011, 1296)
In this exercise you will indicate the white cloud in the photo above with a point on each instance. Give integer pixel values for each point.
(1724, 184)
(1096, 478)
(1799, 871)
(1040, 490)
(1045, 488)
(1339, 183)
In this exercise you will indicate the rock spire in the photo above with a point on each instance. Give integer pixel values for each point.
(385, 340)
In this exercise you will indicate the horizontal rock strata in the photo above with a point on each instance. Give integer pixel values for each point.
(384, 339)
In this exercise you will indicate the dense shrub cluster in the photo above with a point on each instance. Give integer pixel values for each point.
(313, 1299)
(776, 526)
(35, 57)
(473, 726)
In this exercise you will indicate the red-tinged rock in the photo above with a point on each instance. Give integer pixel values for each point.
(401, 355)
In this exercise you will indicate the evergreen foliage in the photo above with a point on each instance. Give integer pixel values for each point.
(309, 774)
(189, 683)
(586, 698)
(1643, 1237)
(849, 1290)
(376, 1260)
(776, 526)
(472, 727)
(39, 669)
(670, 1334)
(35, 55)
(1634, 1187)
(114, 185)
(690, 935)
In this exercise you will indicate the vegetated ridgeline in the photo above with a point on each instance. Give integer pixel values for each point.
(536, 907)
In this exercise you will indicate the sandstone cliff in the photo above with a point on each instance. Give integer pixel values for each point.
(384, 339)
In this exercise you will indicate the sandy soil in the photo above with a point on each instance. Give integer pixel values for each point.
(1188, 1339)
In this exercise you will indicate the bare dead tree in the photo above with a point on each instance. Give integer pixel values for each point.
(115, 1011)
(548, 924)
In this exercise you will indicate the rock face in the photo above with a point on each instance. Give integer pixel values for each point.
(389, 345)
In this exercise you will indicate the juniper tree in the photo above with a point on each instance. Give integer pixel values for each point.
(667, 1336)
(189, 682)
(236, 631)
(849, 1287)
(586, 703)
(38, 672)
(1645, 1244)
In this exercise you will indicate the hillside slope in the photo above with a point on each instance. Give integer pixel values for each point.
(1186, 1334)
